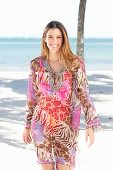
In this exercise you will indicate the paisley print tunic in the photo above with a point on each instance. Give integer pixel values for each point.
(53, 111)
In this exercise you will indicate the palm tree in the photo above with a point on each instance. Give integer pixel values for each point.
(80, 31)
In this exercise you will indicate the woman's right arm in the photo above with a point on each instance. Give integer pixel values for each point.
(30, 105)
(31, 97)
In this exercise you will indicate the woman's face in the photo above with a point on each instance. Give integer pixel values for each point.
(54, 40)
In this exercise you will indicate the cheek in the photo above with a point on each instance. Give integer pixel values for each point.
(47, 40)
(60, 42)
(48, 43)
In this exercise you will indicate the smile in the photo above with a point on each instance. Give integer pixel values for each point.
(54, 46)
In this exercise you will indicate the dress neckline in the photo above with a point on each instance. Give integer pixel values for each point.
(53, 75)
(49, 68)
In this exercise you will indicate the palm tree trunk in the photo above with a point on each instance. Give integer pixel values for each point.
(80, 31)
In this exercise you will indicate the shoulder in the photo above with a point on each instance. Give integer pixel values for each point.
(78, 63)
(81, 71)
(36, 63)
(81, 62)
(79, 68)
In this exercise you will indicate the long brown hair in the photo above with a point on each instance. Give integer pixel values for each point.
(68, 58)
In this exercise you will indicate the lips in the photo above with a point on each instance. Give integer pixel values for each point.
(54, 46)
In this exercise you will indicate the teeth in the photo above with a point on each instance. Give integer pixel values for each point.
(54, 46)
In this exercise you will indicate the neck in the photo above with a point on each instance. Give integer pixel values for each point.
(54, 56)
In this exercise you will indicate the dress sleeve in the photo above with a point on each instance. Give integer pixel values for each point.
(89, 110)
(31, 97)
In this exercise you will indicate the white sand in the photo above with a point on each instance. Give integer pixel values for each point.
(15, 155)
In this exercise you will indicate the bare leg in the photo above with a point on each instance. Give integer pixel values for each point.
(62, 167)
(47, 166)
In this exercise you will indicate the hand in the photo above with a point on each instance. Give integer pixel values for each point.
(27, 136)
(90, 133)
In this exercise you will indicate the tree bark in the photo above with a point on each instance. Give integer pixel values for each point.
(80, 31)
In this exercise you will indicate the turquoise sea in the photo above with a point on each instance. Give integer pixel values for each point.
(16, 53)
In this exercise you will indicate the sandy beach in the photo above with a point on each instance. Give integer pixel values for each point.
(14, 154)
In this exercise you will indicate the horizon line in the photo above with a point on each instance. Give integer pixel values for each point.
(30, 37)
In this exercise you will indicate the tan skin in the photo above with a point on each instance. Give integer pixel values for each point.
(54, 43)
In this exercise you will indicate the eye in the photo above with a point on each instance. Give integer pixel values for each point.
(49, 37)
(59, 37)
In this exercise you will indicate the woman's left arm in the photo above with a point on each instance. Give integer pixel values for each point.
(92, 121)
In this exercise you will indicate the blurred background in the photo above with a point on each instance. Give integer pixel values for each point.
(22, 24)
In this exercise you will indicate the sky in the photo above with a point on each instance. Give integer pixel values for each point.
(28, 18)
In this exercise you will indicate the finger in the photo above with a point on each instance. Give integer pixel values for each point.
(86, 137)
(24, 138)
(90, 144)
(29, 139)
(91, 140)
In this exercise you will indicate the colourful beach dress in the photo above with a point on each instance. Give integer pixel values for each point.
(53, 111)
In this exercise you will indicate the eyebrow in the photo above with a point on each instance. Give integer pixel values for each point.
(57, 35)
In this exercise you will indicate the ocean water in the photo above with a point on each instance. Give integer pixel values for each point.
(16, 53)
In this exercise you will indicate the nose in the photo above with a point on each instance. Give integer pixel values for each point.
(54, 40)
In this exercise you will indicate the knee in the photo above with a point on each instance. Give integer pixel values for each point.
(47, 166)
(62, 167)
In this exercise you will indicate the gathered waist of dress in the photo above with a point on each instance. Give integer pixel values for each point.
(53, 106)
(47, 101)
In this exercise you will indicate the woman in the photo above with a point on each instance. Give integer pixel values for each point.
(57, 89)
